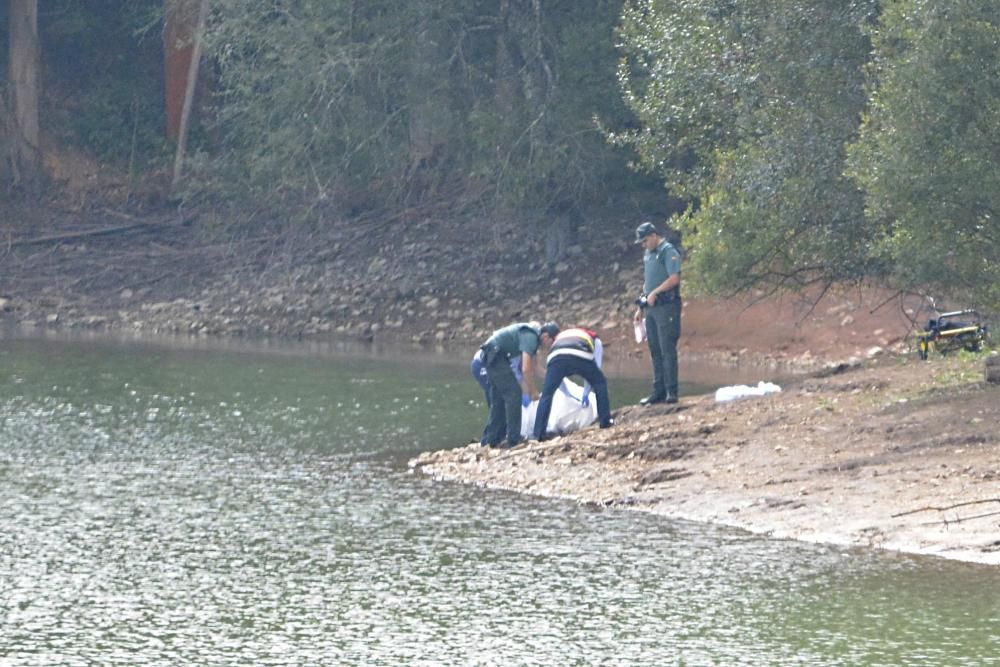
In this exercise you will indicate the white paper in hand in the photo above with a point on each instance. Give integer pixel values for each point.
(640, 331)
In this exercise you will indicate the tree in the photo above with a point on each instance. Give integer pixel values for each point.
(929, 151)
(745, 110)
(180, 25)
(190, 82)
(355, 104)
(24, 149)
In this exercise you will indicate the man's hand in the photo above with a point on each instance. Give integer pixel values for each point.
(651, 299)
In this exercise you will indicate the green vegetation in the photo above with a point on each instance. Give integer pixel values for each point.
(801, 142)
(927, 156)
(961, 368)
(382, 102)
(103, 72)
(819, 142)
(747, 108)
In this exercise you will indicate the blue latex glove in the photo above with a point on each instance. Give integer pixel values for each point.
(525, 400)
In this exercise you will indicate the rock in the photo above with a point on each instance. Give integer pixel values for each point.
(52, 318)
(993, 369)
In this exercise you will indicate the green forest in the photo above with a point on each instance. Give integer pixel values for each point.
(792, 143)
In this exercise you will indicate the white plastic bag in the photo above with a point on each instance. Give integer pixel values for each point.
(640, 330)
(568, 413)
(726, 394)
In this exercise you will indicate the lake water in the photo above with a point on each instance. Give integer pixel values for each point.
(163, 505)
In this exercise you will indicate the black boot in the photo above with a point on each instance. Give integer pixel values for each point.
(652, 399)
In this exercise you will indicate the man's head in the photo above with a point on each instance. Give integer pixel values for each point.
(647, 235)
(547, 333)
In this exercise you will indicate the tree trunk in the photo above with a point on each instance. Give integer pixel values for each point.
(189, 88)
(180, 19)
(505, 73)
(25, 152)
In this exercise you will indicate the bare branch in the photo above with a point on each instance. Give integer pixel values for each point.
(946, 508)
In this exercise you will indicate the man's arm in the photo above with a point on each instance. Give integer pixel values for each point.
(528, 369)
(598, 359)
(671, 282)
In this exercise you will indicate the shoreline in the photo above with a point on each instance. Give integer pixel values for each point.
(848, 458)
(904, 435)
(831, 459)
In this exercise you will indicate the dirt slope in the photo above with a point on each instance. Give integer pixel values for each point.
(418, 277)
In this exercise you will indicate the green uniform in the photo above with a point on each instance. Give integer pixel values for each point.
(663, 321)
(505, 392)
(660, 264)
(515, 339)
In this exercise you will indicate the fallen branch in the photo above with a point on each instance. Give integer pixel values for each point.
(949, 507)
(104, 231)
(567, 445)
(948, 522)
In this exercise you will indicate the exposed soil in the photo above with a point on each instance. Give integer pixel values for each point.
(830, 458)
(890, 454)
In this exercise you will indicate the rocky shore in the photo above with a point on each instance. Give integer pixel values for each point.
(414, 279)
(889, 454)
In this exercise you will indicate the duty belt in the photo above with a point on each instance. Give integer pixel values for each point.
(664, 298)
(491, 352)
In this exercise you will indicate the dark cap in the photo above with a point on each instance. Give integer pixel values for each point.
(644, 230)
(551, 328)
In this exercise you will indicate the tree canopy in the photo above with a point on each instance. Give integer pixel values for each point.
(823, 142)
(747, 108)
(928, 153)
(811, 142)
(396, 101)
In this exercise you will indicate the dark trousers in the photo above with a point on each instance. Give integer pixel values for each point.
(504, 400)
(560, 368)
(663, 328)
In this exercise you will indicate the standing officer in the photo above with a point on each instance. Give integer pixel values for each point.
(576, 351)
(523, 338)
(662, 293)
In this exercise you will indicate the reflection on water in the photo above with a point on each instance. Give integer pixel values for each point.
(168, 506)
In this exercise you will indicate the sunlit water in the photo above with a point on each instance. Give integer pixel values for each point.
(164, 506)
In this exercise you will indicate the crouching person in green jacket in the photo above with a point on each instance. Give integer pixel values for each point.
(525, 339)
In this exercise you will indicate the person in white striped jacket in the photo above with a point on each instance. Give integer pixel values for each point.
(575, 351)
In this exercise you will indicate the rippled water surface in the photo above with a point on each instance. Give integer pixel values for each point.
(189, 507)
